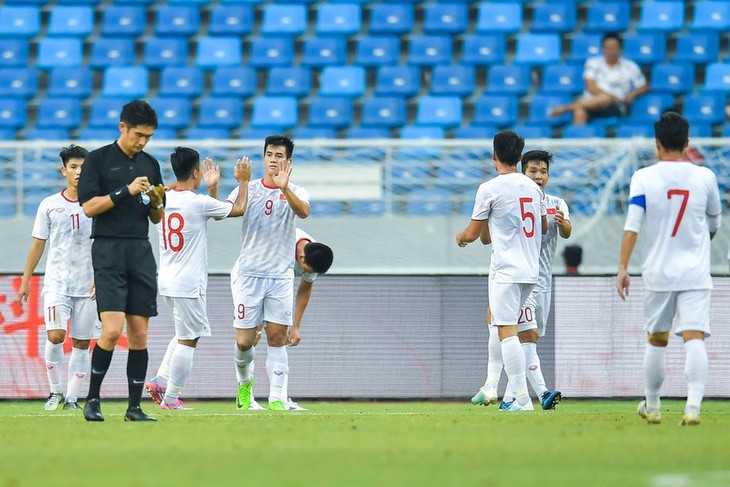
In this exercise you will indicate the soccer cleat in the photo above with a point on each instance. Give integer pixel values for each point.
(179, 406)
(73, 405)
(55, 399)
(690, 418)
(255, 406)
(651, 416)
(155, 390)
(243, 399)
(550, 399)
(276, 406)
(485, 397)
(513, 407)
(292, 406)
(135, 414)
(92, 410)
(503, 406)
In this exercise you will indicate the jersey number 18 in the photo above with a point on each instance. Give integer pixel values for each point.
(172, 236)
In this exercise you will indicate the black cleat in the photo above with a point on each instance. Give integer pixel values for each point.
(135, 414)
(73, 405)
(92, 410)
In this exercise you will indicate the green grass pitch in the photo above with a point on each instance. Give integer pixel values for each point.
(582, 443)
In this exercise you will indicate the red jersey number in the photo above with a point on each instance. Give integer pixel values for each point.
(685, 196)
(527, 215)
(172, 236)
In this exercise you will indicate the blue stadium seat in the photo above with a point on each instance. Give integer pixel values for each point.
(112, 52)
(327, 111)
(383, 111)
(342, 81)
(717, 78)
(92, 133)
(562, 78)
(71, 21)
(324, 51)
(267, 52)
(18, 82)
(473, 132)
(105, 112)
(410, 170)
(257, 133)
(496, 110)
(697, 48)
(188, 82)
(387, 18)
(308, 133)
(124, 21)
(186, 2)
(229, 20)
(710, 16)
(277, 112)
(499, 17)
(453, 80)
(537, 49)
(70, 82)
(284, 19)
(7, 134)
(367, 207)
(14, 52)
(377, 50)
(697, 130)
(483, 50)
(583, 202)
(629, 130)
(584, 46)
(726, 133)
(445, 18)
(608, 17)
(508, 79)
(13, 113)
(59, 112)
(435, 202)
(439, 111)
(583, 131)
(540, 108)
(19, 21)
(705, 108)
(368, 133)
(56, 52)
(164, 52)
(647, 109)
(172, 113)
(645, 48)
(177, 20)
(234, 81)
(533, 131)
(397, 80)
(220, 112)
(121, 81)
(135, 2)
(325, 208)
(553, 17)
(338, 19)
(294, 81)
(236, 2)
(429, 50)
(216, 52)
(204, 133)
(665, 16)
(456, 174)
(672, 78)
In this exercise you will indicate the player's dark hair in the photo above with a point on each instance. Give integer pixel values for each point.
(138, 112)
(537, 155)
(508, 147)
(672, 131)
(280, 141)
(614, 36)
(183, 161)
(319, 256)
(72, 152)
(573, 255)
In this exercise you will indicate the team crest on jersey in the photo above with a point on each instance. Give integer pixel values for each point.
(257, 195)
(282, 197)
(60, 210)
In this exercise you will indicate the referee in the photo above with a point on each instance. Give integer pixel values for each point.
(121, 188)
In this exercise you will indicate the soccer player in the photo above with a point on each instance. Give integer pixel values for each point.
(183, 277)
(534, 314)
(121, 189)
(263, 277)
(68, 285)
(678, 203)
(512, 206)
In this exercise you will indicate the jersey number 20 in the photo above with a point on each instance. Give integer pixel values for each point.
(172, 236)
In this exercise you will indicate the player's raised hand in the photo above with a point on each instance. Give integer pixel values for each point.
(623, 282)
(281, 179)
(559, 217)
(242, 170)
(211, 172)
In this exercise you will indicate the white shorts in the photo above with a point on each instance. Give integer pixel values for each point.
(257, 299)
(541, 299)
(692, 309)
(528, 315)
(79, 314)
(190, 317)
(506, 300)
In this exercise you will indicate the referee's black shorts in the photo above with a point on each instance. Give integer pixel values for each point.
(125, 275)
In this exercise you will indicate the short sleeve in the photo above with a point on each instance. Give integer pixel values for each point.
(714, 207)
(483, 203)
(637, 77)
(309, 276)
(302, 194)
(89, 186)
(543, 204)
(42, 224)
(590, 69)
(637, 195)
(212, 208)
(232, 195)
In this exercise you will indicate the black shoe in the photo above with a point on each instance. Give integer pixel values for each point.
(71, 405)
(135, 414)
(92, 410)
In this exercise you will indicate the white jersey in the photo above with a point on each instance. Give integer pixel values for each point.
(513, 206)
(62, 223)
(618, 80)
(268, 231)
(676, 199)
(550, 241)
(183, 240)
(298, 271)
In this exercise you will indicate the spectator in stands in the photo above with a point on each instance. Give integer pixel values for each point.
(572, 256)
(612, 84)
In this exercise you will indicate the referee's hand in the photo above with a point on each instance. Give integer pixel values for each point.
(140, 185)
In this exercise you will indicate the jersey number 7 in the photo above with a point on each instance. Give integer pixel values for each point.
(684, 193)
(172, 226)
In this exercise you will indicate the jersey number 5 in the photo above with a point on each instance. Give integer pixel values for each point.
(172, 226)
(685, 196)
(527, 215)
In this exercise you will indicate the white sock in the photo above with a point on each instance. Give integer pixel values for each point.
(277, 365)
(494, 363)
(514, 364)
(163, 373)
(252, 367)
(54, 358)
(181, 364)
(285, 386)
(695, 370)
(78, 368)
(244, 364)
(533, 368)
(654, 371)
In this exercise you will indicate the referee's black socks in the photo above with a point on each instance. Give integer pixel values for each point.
(136, 372)
(100, 360)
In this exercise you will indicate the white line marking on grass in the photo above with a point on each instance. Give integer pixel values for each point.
(251, 413)
(708, 479)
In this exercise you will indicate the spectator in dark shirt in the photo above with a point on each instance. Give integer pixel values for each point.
(572, 256)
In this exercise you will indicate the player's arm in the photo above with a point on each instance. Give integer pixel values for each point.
(544, 222)
(470, 233)
(485, 236)
(565, 229)
(304, 292)
(157, 203)
(300, 208)
(623, 280)
(35, 253)
(242, 173)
